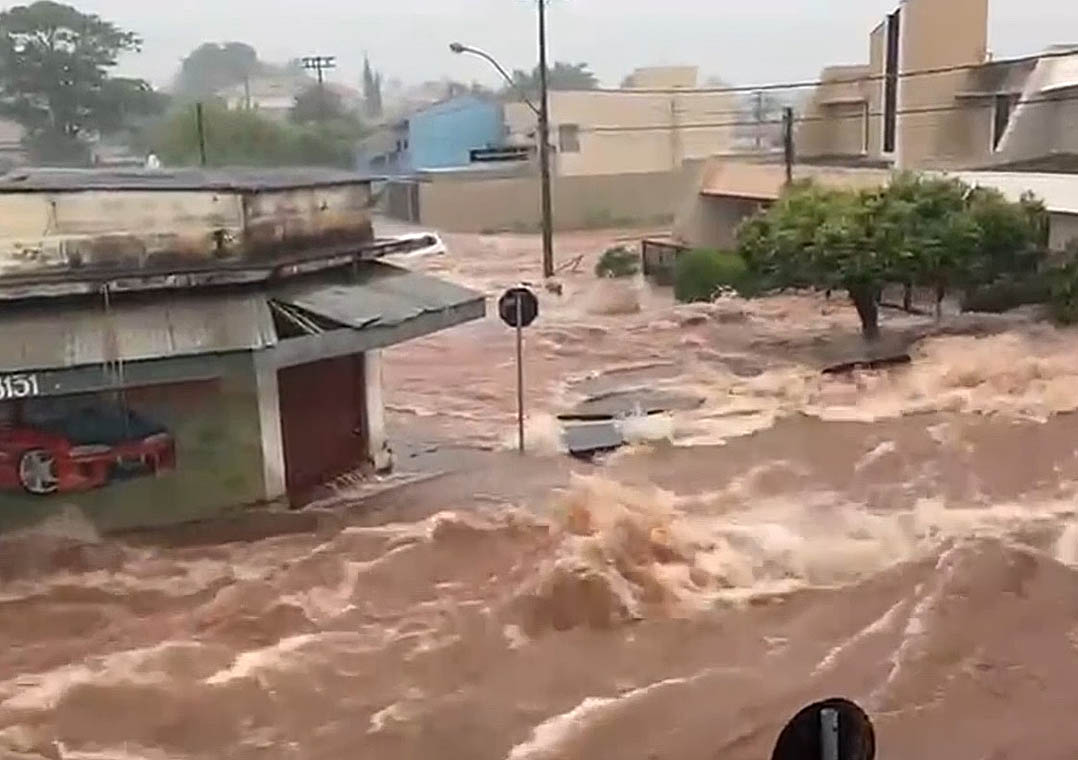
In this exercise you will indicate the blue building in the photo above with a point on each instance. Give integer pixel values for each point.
(440, 136)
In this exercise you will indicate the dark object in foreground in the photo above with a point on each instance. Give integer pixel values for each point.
(528, 307)
(592, 438)
(880, 363)
(834, 729)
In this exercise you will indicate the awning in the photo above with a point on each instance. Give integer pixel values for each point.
(375, 295)
(350, 310)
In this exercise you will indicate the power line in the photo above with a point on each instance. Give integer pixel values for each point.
(811, 83)
(811, 119)
(319, 64)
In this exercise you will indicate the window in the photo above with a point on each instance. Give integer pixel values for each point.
(569, 138)
(890, 84)
(1001, 117)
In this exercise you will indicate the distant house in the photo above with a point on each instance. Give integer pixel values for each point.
(274, 95)
(439, 136)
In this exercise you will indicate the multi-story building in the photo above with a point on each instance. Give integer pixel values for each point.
(931, 96)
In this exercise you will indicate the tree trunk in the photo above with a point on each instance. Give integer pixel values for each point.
(864, 298)
(941, 291)
(907, 298)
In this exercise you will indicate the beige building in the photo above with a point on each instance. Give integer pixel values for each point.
(930, 95)
(662, 77)
(631, 131)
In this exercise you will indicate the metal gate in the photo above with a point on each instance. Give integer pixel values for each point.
(323, 422)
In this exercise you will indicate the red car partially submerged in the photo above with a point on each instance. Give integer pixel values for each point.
(83, 448)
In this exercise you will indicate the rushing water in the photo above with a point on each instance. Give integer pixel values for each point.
(907, 538)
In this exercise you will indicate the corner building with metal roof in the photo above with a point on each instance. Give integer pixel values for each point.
(174, 345)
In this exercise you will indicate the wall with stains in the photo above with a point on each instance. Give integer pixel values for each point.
(145, 456)
(73, 233)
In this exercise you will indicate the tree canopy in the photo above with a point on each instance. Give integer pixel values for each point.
(54, 79)
(213, 66)
(926, 231)
(562, 76)
(317, 104)
(372, 90)
(246, 138)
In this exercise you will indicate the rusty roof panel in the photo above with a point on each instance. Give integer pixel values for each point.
(376, 295)
(53, 337)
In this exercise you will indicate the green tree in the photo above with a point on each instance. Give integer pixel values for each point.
(213, 66)
(563, 76)
(372, 90)
(54, 79)
(245, 138)
(317, 104)
(928, 231)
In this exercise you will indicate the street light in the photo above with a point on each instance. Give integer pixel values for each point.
(543, 112)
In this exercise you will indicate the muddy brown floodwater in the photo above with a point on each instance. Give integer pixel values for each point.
(906, 538)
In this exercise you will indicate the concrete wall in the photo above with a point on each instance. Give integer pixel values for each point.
(625, 131)
(477, 205)
(132, 230)
(1064, 229)
(712, 221)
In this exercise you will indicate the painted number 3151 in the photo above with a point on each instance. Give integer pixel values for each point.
(18, 386)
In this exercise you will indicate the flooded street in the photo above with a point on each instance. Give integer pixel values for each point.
(906, 538)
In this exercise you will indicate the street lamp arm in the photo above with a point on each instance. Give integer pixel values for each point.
(458, 48)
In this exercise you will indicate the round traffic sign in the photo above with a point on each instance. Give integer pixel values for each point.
(834, 729)
(518, 302)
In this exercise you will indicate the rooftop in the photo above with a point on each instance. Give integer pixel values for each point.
(224, 179)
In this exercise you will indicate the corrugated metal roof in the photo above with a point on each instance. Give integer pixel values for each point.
(54, 337)
(377, 295)
(226, 179)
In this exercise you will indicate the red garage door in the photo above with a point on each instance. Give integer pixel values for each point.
(322, 422)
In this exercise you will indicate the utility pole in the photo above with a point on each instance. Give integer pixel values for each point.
(544, 149)
(788, 142)
(758, 113)
(320, 64)
(201, 134)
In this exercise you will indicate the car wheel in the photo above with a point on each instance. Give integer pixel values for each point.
(37, 472)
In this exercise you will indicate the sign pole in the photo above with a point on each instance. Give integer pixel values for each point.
(520, 371)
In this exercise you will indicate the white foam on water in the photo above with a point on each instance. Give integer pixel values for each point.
(626, 553)
(549, 737)
(40, 692)
(287, 653)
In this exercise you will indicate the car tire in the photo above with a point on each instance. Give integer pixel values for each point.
(37, 472)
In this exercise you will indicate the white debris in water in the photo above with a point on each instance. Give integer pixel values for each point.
(878, 453)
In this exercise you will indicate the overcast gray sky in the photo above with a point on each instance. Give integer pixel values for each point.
(742, 41)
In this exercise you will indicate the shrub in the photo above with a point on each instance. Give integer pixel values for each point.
(1064, 281)
(618, 262)
(1004, 295)
(700, 274)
